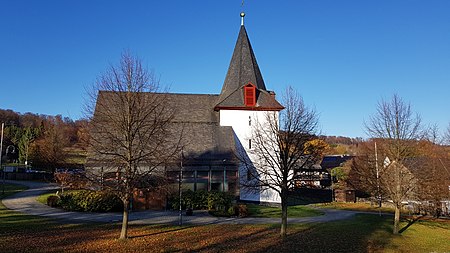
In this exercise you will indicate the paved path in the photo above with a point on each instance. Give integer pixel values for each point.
(25, 202)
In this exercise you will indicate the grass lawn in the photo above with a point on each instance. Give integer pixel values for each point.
(359, 206)
(363, 233)
(10, 189)
(43, 198)
(274, 212)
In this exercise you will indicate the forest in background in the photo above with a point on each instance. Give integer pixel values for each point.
(43, 142)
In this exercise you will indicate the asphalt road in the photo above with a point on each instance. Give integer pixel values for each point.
(25, 202)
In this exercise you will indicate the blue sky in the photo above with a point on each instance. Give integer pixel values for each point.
(342, 56)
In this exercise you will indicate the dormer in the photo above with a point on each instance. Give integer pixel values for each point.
(250, 95)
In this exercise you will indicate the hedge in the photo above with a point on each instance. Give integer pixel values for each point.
(203, 200)
(90, 201)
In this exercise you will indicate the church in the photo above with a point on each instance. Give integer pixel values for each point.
(218, 126)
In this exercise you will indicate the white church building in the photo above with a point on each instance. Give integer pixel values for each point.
(218, 126)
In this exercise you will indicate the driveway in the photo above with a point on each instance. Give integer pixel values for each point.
(25, 202)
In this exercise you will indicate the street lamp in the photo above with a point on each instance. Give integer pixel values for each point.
(6, 153)
(180, 182)
(7, 149)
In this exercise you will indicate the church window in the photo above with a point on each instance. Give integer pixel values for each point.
(250, 144)
(249, 120)
(250, 95)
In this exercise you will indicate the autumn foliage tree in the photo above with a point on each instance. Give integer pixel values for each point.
(41, 140)
(48, 150)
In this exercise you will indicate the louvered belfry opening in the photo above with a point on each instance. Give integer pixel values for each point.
(250, 95)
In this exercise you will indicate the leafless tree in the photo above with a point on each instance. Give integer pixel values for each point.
(398, 130)
(447, 134)
(130, 138)
(70, 179)
(364, 176)
(282, 144)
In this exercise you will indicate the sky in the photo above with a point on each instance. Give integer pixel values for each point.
(343, 57)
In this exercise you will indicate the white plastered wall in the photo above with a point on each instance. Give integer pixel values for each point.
(243, 121)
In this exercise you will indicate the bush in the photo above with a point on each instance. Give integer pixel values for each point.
(53, 201)
(242, 210)
(90, 201)
(219, 201)
(232, 211)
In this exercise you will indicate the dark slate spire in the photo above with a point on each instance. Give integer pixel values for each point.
(243, 69)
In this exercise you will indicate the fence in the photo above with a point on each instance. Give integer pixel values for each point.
(31, 176)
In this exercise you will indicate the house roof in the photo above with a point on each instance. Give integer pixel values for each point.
(204, 141)
(243, 69)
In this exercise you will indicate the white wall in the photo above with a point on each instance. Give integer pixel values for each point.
(239, 120)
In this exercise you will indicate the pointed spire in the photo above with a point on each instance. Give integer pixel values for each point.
(243, 70)
(243, 67)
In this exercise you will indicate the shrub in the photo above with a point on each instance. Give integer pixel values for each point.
(90, 201)
(232, 211)
(203, 200)
(219, 201)
(242, 210)
(53, 201)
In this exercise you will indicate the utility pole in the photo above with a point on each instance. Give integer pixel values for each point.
(378, 178)
(1, 151)
(180, 181)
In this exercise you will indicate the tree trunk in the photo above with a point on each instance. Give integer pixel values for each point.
(396, 220)
(284, 216)
(124, 231)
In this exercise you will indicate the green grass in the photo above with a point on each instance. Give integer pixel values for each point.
(275, 212)
(364, 207)
(11, 189)
(43, 198)
(371, 233)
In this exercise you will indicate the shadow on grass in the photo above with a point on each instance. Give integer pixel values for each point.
(410, 223)
(363, 233)
(161, 232)
(239, 238)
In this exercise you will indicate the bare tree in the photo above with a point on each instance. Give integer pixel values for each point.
(395, 125)
(282, 144)
(364, 175)
(130, 138)
(447, 134)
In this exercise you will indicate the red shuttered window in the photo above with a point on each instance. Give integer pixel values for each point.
(250, 95)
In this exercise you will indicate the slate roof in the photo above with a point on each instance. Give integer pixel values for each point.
(204, 141)
(243, 70)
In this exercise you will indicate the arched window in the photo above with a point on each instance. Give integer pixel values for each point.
(250, 95)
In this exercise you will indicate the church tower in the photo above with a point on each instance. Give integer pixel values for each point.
(243, 101)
